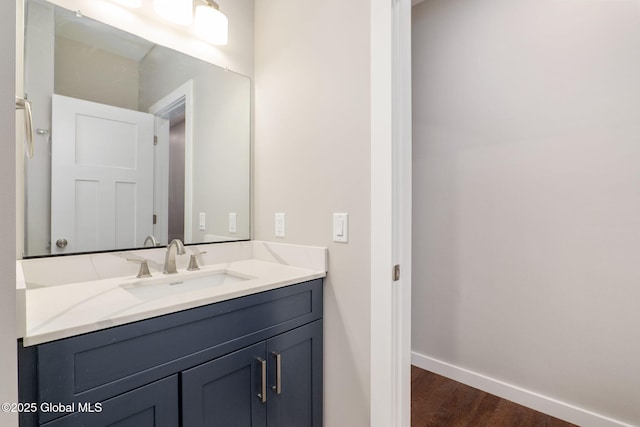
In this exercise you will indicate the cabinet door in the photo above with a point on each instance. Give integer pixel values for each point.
(154, 405)
(295, 395)
(226, 391)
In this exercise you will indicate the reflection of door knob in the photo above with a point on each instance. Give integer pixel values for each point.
(61, 243)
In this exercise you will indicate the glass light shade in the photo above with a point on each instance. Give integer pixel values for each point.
(129, 3)
(177, 11)
(212, 25)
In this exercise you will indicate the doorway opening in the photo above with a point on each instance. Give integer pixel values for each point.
(173, 164)
(176, 174)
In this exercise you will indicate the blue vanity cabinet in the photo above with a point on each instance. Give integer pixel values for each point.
(154, 405)
(202, 365)
(276, 383)
(226, 391)
(295, 382)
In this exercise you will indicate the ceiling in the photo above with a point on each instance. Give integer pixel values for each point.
(101, 36)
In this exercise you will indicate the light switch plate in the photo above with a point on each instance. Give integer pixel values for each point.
(341, 227)
(280, 225)
(202, 221)
(233, 222)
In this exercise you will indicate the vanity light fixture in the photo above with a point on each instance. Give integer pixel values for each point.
(211, 24)
(177, 11)
(133, 4)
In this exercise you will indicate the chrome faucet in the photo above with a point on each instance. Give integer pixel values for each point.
(174, 247)
(150, 239)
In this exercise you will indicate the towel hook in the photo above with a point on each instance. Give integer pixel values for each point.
(25, 104)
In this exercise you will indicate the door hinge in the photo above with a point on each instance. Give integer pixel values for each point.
(155, 139)
(155, 219)
(396, 272)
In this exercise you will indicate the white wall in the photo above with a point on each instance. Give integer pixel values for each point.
(312, 157)
(8, 367)
(526, 195)
(82, 71)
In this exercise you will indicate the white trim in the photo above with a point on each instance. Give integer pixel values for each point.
(402, 196)
(164, 105)
(528, 398)
(390, 213)
(10, 186)
(382, 366)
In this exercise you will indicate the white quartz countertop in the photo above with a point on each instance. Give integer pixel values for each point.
(65, 310)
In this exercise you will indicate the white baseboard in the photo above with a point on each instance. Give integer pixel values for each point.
(541, 403)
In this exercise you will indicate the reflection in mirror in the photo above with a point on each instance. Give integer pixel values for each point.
(135, 142)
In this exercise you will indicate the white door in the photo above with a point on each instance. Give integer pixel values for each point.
(101, 176)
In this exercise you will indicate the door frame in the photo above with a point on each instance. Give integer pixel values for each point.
(402, 202)
(164, 106)
(391, 175)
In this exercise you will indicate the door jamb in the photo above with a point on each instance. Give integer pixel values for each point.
(402, 211)
(390, 212)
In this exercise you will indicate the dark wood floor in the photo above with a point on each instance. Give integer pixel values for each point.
(439, 401)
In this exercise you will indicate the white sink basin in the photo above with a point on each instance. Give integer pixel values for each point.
(160, 288)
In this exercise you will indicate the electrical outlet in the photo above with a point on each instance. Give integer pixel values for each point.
(233, 222)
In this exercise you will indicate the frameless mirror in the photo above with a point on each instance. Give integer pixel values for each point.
(135, 143)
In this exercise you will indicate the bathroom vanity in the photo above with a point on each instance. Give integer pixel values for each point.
(138, 143)
(246, 353)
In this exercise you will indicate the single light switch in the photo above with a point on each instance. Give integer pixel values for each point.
(280, 225)
(341, 227)
(233, 222)
(202, 221)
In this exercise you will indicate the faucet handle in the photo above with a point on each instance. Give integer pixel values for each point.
(144, 267)
(193, 262)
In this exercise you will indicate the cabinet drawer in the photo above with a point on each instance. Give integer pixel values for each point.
(102, 364)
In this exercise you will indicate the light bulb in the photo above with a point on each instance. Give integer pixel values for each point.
(212, 25)
(177, 11)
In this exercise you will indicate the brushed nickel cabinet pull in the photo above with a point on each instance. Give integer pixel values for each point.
(263, 387)
(278, 386)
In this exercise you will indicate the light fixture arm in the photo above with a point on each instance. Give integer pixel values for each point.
(211, 3)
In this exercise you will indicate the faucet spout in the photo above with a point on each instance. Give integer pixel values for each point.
(151, 240)
(174, 247)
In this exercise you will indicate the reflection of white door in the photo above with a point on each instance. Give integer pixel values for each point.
(101, 176)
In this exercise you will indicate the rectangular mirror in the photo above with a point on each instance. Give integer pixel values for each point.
(135, 144)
